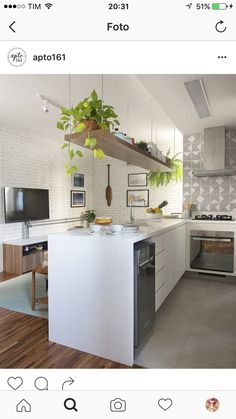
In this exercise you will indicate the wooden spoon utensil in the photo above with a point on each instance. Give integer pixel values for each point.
(108, 188)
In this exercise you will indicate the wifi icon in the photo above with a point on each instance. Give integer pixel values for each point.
(48, 5)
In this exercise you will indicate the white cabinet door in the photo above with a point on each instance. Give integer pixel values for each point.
(176, 255)
(160, 296)
(169, 262)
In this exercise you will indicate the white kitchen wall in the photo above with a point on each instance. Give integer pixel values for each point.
(119, 182)
(30, 161)
(143, 119)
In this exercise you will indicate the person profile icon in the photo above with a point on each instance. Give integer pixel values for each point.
(212, 404)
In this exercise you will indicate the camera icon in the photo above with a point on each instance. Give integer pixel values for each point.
(118, 405)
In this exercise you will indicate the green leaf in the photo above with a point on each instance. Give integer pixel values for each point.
(79, 153)
(93, 142)
(71, 154)
(80, 127)
(64, 145)
(60, 125)
(99, 153)
(65, 111)
(87, 142)
(105, 126)
(94, 95)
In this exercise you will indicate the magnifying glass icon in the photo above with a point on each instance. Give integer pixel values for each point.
(70, 404)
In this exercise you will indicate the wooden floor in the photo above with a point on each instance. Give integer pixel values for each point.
(24, 344)
(5, 276)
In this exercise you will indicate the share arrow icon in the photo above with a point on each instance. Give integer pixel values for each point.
(67, 383)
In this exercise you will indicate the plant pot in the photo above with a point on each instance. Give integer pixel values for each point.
(91, 125)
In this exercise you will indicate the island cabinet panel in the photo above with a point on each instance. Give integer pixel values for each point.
(91, 287)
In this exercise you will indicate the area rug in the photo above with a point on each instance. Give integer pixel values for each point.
(15, 295)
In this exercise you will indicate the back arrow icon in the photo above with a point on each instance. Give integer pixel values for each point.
(13, 23)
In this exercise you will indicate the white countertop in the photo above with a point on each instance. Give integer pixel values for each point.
(146, 230)
(25, 242)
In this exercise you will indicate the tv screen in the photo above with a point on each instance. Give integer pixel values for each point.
(23, 204)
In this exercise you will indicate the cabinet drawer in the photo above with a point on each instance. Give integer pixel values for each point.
(160, 242)
(160, 260)
(161, 277)
(30, 261)
(160, 296)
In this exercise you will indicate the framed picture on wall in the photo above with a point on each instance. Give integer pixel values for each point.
(77, 180)
(77, 199)
(137, 179)
(139, 197)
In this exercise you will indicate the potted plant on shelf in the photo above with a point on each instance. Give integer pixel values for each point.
(142, 145)
(157, 211)
(156, 179)
(90, 114)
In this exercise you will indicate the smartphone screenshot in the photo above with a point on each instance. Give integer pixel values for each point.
(117, 209)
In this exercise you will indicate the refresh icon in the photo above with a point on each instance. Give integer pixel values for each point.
(219, 28)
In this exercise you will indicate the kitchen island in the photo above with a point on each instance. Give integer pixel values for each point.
(91, 286)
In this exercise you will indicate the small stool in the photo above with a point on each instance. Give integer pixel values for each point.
(43, 270)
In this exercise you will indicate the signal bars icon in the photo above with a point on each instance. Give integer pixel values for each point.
(48, 5)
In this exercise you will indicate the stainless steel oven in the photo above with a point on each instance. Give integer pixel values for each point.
(212, 250)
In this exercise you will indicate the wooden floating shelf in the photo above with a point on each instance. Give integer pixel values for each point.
(121, 150)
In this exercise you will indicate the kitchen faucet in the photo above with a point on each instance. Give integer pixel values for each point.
(131, 218)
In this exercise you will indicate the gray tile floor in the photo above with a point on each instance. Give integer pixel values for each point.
(195, 327)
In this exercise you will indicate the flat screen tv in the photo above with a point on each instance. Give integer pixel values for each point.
(23, 204)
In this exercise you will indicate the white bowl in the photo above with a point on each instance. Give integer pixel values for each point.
(96, 228)
(116, 228)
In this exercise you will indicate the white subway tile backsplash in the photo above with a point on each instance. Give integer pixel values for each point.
(35, 162)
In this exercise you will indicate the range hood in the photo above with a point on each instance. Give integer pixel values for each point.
(214, 162)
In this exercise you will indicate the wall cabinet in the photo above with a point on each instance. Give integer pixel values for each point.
(170, 262)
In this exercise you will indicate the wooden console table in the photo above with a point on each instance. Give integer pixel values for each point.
(21, 256)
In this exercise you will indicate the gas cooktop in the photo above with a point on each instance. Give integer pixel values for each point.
(211, 217)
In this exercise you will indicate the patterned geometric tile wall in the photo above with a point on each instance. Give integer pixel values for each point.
(214, 194)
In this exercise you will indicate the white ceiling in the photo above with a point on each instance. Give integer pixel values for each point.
(20, 108)
(170, 93)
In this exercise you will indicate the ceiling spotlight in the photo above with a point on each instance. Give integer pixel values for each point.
(47, 101)
(45, 106)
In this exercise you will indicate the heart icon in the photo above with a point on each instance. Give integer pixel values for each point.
(165, 404)
(15, 382)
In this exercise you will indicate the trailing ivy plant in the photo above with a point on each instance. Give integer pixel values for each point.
(88, 115)
(156, 179)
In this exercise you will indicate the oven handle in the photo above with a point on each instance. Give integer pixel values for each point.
(211, 239)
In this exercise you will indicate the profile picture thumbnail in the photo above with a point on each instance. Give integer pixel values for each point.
(212, 404)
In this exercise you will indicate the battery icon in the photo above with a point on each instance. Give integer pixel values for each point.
(219, 6)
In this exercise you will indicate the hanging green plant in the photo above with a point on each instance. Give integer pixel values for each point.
(88, 115)
(156, 179)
